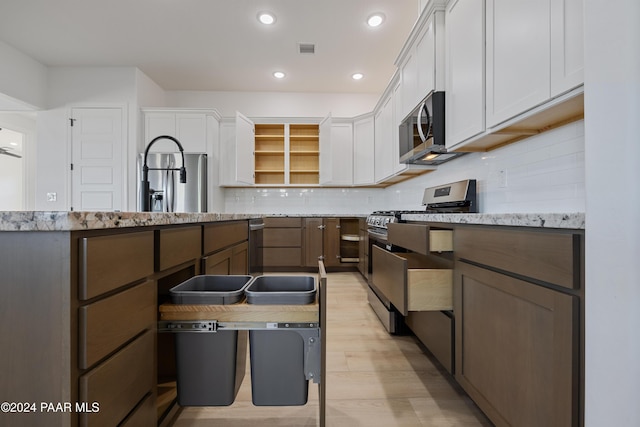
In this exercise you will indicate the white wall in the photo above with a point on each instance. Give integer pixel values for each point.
(78, 87)
(272, 104)
(612, 147)
(23, 81)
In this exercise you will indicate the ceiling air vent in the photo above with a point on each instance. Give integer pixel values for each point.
(306, 48)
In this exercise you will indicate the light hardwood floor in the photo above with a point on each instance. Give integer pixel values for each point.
(373, 378)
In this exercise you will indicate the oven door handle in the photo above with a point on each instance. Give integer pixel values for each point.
(378, 235)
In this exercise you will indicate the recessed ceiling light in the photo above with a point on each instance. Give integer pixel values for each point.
(357, 76)
(267, 18)
(375, 20)
(278, 75)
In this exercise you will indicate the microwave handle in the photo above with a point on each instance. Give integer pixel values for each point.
(423, 138)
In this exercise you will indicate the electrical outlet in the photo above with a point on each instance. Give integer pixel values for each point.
(52, 197)
(502, 178)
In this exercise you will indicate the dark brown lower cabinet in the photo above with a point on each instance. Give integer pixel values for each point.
(517, 348)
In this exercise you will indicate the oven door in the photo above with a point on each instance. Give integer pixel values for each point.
(390, 318)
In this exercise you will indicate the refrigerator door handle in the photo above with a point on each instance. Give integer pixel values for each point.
(170, 189)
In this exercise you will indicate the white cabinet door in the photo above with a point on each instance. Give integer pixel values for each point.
(518, 60)
(363, 151)
(465, 70)
(567, 45)
(159, 124)
(326, 151)
(191, 131)
(227, 153)
(409, 96)
(426, 61)
(384, 161)
(342, 154)
(245, 144)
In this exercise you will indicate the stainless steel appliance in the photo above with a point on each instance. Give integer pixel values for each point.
(456, 197)
(422, 134)
(165, 191)
(256, 264)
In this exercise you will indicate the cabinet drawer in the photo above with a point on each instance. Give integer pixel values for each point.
(107, 324)
(144, 415)
(283, 257)
(282, 237)
(119, 383)
(220, 236)
(178, 245)
(284, 222)
(435, 330)
(108, 262)
(420, 238)
(547, 256)
(409, 283)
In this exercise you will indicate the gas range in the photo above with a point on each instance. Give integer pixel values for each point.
(456, 197)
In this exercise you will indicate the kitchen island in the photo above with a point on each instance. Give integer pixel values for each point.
(79, 307)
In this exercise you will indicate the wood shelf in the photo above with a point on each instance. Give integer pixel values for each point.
(287, 154)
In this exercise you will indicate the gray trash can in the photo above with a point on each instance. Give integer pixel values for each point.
(277, 356)
(210, 366)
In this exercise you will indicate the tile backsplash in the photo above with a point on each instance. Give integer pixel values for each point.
(544, 173)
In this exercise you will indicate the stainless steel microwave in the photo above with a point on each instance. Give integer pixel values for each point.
(422, 133)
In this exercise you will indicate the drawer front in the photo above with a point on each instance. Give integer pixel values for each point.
(178, 245)
(109, 262)
(550, 257)
(144, 415)
(119, 383)
(222, 235)
(240, 259)
(389, 275)
(435, 330)
(408, 287)
(282, 257)
(218, 263)
(107, 324)
(284, 222)
(420, 238)
(282, 237)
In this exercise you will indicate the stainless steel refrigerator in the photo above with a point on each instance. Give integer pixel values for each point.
(167, 194)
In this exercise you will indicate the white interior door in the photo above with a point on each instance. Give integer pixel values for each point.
(97, 160)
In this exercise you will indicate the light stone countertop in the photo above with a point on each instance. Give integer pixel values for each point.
(76, 220)
(72, 221)
(540, 220)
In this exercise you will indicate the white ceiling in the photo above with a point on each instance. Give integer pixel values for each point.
(217, 44)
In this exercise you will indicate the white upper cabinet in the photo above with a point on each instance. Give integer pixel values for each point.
(363, 151)
(409, 96)
(336, 165)
(518, 58)
(465, 70)
(426, 60)
(244, 144)
(567, 45)
(531, 76)
(422, 63)
(383, 134)
(188, 128)
(326, 150)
